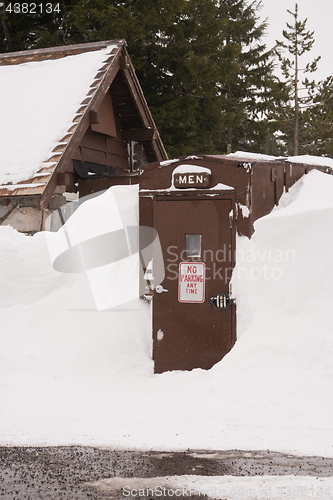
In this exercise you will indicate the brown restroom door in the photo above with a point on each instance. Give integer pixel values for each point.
(193, 335)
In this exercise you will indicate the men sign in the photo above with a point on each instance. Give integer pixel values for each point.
(191, 180)
(191, 287)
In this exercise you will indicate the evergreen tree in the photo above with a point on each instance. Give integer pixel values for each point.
(206, 75)
(297, 42)
(317, 133)
(250, 89)
(26, 26)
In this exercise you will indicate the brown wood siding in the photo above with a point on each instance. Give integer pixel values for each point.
(293, 173)
(146, 211)
(223, 171)
(267, 187)
(93, 155)
(89, 186)
(107, 124)
(103, 149)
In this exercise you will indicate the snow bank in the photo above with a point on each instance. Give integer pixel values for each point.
(26, 272)
(312, 192)
(72, 375)
(102, 240)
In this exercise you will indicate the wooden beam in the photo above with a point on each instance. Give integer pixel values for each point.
(138, 99)
(95, 117)
(158, 148)
(124, 62)
(139, 134)
(67, 179)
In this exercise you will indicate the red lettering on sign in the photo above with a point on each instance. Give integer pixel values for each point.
(191, 282)
(191, 285)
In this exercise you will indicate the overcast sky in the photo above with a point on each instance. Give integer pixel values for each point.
(320, 20)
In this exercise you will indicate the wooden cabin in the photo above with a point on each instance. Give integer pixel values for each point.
(74, 122)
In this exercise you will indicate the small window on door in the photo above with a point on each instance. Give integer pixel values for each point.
(193, 245)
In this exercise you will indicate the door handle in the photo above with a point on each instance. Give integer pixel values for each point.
(221, 301)
(160, 289)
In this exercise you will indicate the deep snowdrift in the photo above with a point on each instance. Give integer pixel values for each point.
(72, 374)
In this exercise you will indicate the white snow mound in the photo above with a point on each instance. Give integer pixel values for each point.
(70, 374)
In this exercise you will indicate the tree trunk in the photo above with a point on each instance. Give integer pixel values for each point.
(8, 35)
(229, 145)
(229, 149)
(296, 124)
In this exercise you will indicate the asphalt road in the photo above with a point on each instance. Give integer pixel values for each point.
(66, 473)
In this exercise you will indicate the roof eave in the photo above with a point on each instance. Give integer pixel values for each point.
(10, 58)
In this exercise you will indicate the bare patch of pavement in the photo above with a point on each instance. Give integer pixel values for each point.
(71, 473)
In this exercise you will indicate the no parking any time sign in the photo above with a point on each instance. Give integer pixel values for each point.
(191, 287)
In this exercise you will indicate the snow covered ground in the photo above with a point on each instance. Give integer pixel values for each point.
(222, 487)
(70, 374)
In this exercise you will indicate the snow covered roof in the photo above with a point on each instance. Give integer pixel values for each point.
(46, 97)
(246, 156)
(322, 161)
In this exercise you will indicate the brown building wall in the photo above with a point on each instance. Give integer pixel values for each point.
(192, 335)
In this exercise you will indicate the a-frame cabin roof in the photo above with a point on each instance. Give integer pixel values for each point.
(48, 100)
